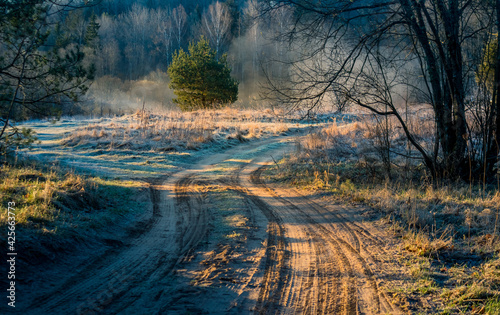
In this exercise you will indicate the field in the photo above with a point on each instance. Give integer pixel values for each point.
(232, 211)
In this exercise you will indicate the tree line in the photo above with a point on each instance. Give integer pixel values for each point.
(135, 38)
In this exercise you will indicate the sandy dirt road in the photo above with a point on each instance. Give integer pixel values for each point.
(298, 255)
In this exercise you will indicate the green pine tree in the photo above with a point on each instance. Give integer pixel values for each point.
(200, 80)
(92, 32)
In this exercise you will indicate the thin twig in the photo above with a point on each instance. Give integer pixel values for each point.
(275, 162)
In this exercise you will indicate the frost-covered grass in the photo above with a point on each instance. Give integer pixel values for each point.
(56, 210)
(149, 144)
(177, 131)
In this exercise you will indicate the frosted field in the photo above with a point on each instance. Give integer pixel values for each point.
(148, 145)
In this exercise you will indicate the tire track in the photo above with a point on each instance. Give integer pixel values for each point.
(326, 297)
(299, 290)
(191, 227)
(275, 275)
(368, 237)
(343, 248)
(189, 204)
(354, 251)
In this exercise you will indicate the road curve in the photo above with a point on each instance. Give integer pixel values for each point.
(315, 258)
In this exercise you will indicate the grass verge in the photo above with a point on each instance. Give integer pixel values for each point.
(56, 210)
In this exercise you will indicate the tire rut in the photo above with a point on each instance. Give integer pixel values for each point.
(325, 297)
(296, 289)
(350, 301)
(187, 201)
(368, 237)
(191, 228)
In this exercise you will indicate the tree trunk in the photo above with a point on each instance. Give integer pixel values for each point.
(446, 82)
(457, 156)
(492, 142)
(496, 141)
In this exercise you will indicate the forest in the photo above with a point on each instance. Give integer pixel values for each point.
(129, 41)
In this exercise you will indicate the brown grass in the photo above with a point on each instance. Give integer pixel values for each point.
(174, 130)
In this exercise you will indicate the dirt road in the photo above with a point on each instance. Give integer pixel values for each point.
(293, 255)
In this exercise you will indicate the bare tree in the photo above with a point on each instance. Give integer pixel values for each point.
(164, 33)
(251, 15)
(493, 155)
(217, 21)
(179, 17)
(280, 23)
(109, 53)
(136, 28)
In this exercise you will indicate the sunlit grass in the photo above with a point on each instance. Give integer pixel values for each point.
(177, 131)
